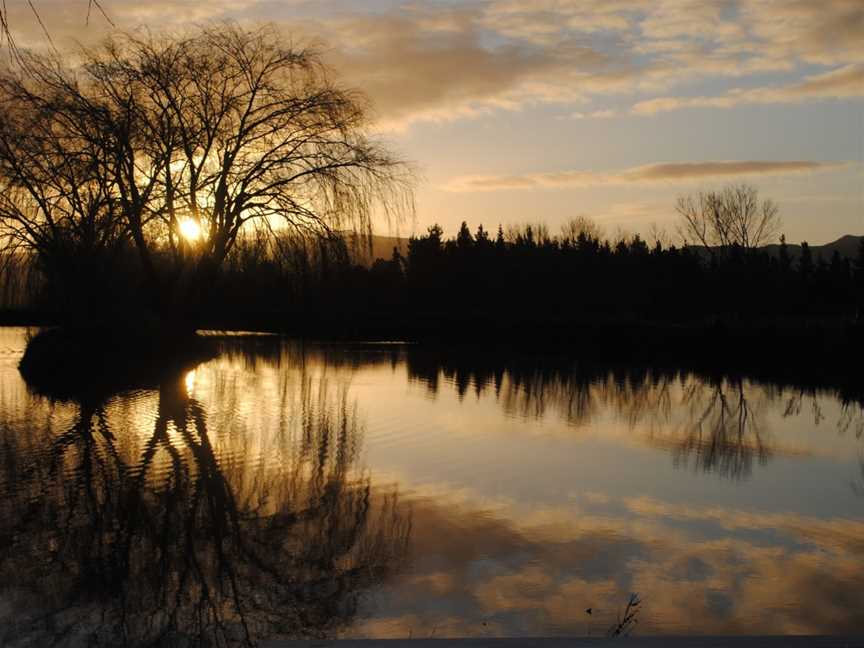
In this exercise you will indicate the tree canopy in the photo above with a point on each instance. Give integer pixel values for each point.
(733, 216)
(176, 146)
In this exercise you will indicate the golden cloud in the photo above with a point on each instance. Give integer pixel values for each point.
(707, 570)
(841, 83)
(447, 61)
(650, 173)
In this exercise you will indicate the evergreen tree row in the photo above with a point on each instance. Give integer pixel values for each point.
(525, 276)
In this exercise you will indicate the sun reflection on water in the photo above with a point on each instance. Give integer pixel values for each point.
(189, 381)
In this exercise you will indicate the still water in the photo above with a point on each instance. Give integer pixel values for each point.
(369, 490)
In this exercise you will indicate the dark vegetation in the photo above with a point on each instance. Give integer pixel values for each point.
(743, 309)
(765, 312)
(522, 277)
(775, 316)
(131, 359)
(628, 620)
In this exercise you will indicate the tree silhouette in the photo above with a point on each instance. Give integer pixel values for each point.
(785, 261)
(805, 262)
(7, 38)
(481, 237)
(580, 227)
(859, 280)
(464, 240)
(221, 132)
(732, 216)
(499, 238)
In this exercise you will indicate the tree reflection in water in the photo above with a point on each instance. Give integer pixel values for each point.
(109, 541)
(725, 433)
(233, 507)
(722, 430)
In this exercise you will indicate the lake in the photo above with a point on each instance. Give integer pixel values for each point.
(285, 489)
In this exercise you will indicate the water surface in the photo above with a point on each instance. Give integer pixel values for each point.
(382, 490)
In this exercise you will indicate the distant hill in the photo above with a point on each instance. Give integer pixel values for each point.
(381, 248)
(846, 246)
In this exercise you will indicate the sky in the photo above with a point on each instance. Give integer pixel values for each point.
(525, 111)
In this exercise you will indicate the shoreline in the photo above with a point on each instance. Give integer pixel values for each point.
(809, 354)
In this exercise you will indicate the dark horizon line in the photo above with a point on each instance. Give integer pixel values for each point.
(407, 238)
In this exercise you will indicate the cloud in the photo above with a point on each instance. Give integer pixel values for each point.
(597, 114)
(173, 12)
(551, 21)
(445, 61)
(721, 571)
(416, 63)
(650, 173)
(688, 170)
(828, 32)
(846, 82)
(413, 73)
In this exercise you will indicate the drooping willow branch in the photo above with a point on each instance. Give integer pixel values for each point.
(228, 127)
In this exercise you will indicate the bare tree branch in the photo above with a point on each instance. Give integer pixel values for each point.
(225, 127)
(731, 217)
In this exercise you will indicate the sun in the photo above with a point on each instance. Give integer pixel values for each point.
(190, 229)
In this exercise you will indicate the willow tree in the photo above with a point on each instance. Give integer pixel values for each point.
(57, 196)
(194, 141)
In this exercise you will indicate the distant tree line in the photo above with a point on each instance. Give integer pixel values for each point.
(525, 275)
